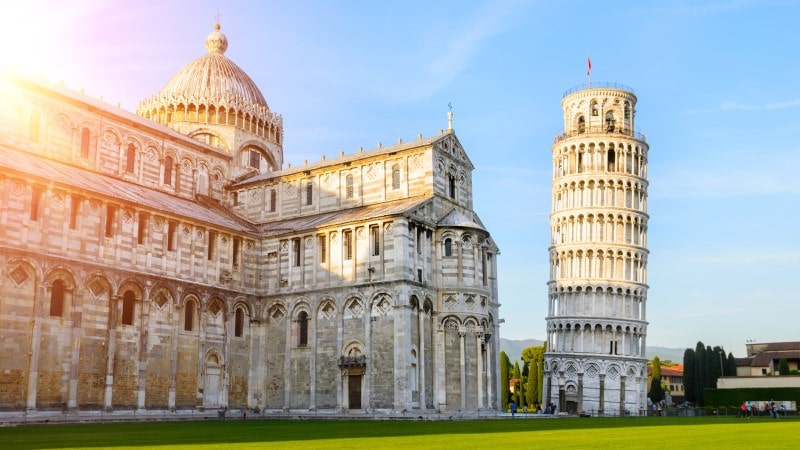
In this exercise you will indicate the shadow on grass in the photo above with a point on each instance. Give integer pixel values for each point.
(276, 431)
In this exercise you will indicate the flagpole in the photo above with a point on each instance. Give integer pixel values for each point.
(589, 69)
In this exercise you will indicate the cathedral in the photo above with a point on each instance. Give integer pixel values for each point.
(171, 259)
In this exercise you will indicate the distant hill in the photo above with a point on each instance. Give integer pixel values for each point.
(514, 348)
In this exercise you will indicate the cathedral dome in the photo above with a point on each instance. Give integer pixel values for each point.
(213, 90)
(214, 79)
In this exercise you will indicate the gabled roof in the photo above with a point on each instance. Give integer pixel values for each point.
(380, 151)
(340, 217)
(50, 171)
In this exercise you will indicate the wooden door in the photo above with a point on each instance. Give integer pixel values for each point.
(354, 391)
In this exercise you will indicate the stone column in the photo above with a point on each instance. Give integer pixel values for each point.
(422, 315)
(489, 371)
(546, 387)
(340, 373)
(143, 338)
(580, 392)
(287, 374)
(479, 350)
(76, 296)
(111, 350)
(463, 365)
(34, 351)
(622, 395)
(312, 363)
(173, 368)
(371, 360)
(602, 402)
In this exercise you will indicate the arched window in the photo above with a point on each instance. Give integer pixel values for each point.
(348, 183)
(168, 171)
(188, 316)
(627, 110)
(309, 192)
(302, 329)
(130, 158)
(238, 329)
(581, 124)
(57, 299)
(611, 163)
(255, 159)
(85, 143)
(610, 122)
(448, 247)
(395, 177)
(128, 307)
(451, 186)
(595, 108)
(273, 200)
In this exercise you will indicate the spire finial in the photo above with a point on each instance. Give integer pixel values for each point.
(216, 42)
(450, 118)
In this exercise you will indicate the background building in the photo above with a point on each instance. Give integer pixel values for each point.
(764, 358)
(596, 323)
(171, 259)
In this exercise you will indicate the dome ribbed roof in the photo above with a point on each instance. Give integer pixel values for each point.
(213, 79)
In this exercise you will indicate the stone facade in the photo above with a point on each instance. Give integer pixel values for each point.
(167, 260)
(596, 324)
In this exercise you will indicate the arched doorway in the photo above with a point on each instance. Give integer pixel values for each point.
(212, 388)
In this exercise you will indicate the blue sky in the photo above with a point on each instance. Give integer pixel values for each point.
(719, 101)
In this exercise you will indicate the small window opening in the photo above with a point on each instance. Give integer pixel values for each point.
(57, 299)
(302, 324)
(128, 307)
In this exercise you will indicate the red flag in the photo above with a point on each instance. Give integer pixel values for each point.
(589, 65)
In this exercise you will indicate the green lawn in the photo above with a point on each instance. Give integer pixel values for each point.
(630, 433)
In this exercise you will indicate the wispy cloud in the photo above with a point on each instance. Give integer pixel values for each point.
(461, 44)
(748, 258)
(736, 106)
(701, 9)
(727, 182)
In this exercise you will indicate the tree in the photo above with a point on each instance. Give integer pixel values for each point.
(534, 358)
(730, 371)
(689, 375)
(518, 388)
(656, 392)
(700, 371)
(783, 367)
(504, 363)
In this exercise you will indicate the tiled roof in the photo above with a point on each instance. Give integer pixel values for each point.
(764, 359)
(782, 346)
(332, 218)
(107, 186)
(338, 160)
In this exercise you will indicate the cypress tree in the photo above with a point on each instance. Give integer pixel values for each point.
(700, 371)
(730, 370)
(534, 359)
(518, 389)
(504, 363)
(690, 375)
(656, 391)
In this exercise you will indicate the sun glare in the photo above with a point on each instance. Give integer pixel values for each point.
(30, 27)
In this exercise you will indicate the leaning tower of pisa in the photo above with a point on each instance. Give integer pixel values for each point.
(596, 325)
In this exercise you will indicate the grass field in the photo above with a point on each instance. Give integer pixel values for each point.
(628, 433)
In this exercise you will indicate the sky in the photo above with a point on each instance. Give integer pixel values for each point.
(718, 99)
